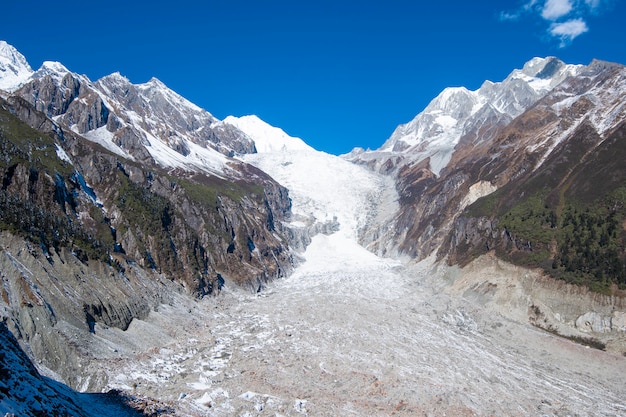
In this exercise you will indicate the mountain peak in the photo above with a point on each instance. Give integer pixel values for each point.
(543, 74)
(541, 67)
(115, 77)
(9, 53)
(54, 69)
(14, 69)
(455, 101)
(54, 66)
(266, 137)
(154, 81)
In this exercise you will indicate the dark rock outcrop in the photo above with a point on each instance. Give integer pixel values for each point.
(25, 392)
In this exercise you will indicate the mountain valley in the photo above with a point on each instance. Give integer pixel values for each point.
(166, 262)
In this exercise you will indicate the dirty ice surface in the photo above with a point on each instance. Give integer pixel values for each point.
(362, 336)
(352, 334)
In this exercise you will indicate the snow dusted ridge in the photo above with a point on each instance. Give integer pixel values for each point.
(141, 122)
(435, 132)
(609, 109)
(171, 128)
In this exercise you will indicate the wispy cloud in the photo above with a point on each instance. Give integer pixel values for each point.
(567, 31)
(554, 9)
(518, 13)
(565, 19)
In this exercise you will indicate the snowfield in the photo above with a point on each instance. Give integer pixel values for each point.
(352, 334)
(322, 187)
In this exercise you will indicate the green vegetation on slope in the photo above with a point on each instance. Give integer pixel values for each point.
(583, 244)
(568, 217)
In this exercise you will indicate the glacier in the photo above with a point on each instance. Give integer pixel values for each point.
(352, 333)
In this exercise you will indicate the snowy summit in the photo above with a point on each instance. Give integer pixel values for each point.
(266, 138)
(14, 69)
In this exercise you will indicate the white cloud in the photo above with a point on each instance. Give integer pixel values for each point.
(524, 9)
(510, 15)
(567, 31)
(566, 19)
(555, 9)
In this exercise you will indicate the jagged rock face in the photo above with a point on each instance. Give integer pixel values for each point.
(130, 114)
(205, 223)
(50, 297)
(51, 98)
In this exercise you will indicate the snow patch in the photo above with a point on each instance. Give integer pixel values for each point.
(105, 138)
(63, 155)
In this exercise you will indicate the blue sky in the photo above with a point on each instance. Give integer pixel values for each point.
(337, 74)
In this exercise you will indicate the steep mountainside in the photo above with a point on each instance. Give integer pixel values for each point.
(561, 202)
(555, 152)
(37, 395)
(115, 195)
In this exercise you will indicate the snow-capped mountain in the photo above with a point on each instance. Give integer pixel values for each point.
(266, 138)
(14, 69)
(457, 112)
(466, 145)
(145, 122)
